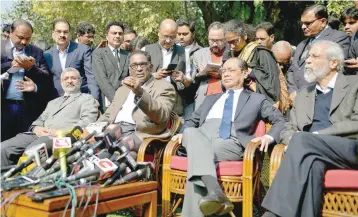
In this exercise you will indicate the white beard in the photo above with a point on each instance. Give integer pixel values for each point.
(311, 75)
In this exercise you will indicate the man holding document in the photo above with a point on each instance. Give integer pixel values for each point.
(206, 64)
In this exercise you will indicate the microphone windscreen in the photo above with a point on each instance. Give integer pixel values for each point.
(74, 133)
(115, 131)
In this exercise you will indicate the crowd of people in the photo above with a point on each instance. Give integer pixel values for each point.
(308, 93)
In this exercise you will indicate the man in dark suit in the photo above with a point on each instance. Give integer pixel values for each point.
(72, 109)
(166, 52)
(314, 27)
(24, 93)
(219, 131)
(69, 54)
(322, 134)
(110, 64)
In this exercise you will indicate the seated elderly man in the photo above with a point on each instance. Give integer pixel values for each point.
(219, 131)
(63, 113)
(142, 105)
(321, 134)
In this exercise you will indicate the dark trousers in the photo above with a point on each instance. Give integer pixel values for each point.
(13, 119)
(298, 185)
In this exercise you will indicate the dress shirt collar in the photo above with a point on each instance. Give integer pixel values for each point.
(237, 91)
(66, 50)
(14, 48)
(167, 50)
(330, 85)
(317, 36)
(114, 49)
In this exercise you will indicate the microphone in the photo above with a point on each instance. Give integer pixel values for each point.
(91, 151)
(38, 153)
(125, 151)
(144, 172)
(60, 147)
(104, 168)
(74, 133)
(56, 166)
(112, 133)
(122, 166)
(75, 147)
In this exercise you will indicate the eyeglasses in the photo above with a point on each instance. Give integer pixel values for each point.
(217, 41)
(308, 24)
(135, 66)
(58, 32)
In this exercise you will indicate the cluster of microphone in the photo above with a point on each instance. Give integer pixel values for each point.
(104, 158)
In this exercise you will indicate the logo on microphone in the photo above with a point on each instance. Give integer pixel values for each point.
(62, 142)
(107, 168)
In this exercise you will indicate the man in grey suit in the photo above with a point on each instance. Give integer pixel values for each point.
(315, 27)
(69, 54)
(166, 52)
(219, 131)
(322, 134)
(72, 109)
(110, 64)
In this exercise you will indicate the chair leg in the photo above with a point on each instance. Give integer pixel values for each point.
(165, 192)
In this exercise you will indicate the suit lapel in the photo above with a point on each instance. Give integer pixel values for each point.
(8, 50)
(122, 61)
(110, 56)
(302, 60)
(62, 104)
(56, 63)
(161, 57)
(339, 91)
(310, 101)
(207, 108)
(243, 98)
(71, 53)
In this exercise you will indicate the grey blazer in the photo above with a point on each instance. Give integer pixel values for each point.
(108, 75)
(79, 109)
(78, 57)
(295, 77)
(251, 108)
(343, 111)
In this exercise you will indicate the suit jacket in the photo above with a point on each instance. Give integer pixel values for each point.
(194, 48)
(80, 109)
(251, 108)
(343, 111)
(353, 53)
(153, 109)
(295, 74)
(108, 75)
(178, 57)
(78, 57)
(35, 103)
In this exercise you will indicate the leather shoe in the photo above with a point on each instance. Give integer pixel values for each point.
(212, 203)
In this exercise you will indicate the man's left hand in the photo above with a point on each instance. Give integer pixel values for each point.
(133, 84)
(25, 86)
(265, 142)
(24, 61)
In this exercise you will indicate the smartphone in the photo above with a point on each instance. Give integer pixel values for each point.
(171, 67)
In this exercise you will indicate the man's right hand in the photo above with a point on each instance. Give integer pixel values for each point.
(41, 131)
(161, 74)
(178, 137)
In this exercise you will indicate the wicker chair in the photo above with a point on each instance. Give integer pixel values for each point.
(340, 187)
(239, 179)
(152, 149)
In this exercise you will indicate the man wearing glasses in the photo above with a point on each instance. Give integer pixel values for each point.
(69, 54)
(314, 27)
(166, 53)
(142, 105)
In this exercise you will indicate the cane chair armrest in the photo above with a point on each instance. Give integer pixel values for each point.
(251, 155)
(170, 150)
(146, 143)
(275, 160)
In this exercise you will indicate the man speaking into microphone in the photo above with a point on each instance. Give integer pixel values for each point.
(61, 114)
(142, 105)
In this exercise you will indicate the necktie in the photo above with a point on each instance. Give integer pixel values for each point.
(116, 56)
(225, 126)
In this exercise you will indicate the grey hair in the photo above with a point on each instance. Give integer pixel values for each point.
(69, 69)
(333, 51)
(216, 25)
(240, 28)
(282, 46)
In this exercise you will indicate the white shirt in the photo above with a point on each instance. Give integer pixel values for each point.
(218, 108)
(187, 60)
(330, 85)
(125, 114)
(63, 56)
(167, 57)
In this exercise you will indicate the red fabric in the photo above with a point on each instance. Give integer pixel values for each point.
(347, 179)
(260, 129)
(227, 168)
(148, 158)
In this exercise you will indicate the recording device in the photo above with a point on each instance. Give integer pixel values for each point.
(144, 172)
(171, 67)
(60, 148)
(20, 181)
(40, 197)
(37, 152)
